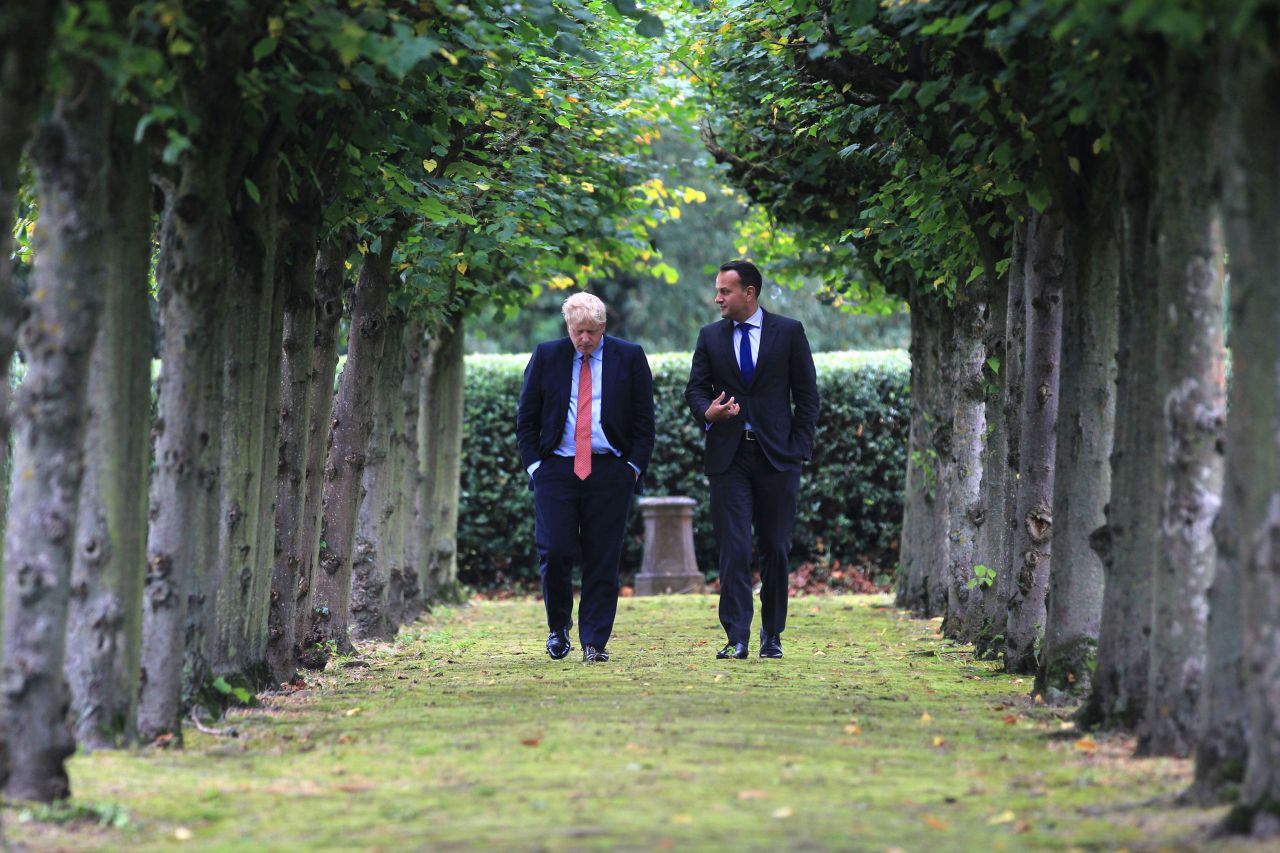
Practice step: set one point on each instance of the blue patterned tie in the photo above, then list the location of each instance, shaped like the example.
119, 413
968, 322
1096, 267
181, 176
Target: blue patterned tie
744, 353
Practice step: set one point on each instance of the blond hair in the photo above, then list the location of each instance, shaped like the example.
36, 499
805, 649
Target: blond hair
583, 306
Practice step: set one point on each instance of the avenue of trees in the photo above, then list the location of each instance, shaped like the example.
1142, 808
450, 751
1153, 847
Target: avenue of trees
1057, 189
288, 180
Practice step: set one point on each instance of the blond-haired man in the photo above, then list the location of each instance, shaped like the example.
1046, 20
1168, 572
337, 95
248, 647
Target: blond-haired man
585, 431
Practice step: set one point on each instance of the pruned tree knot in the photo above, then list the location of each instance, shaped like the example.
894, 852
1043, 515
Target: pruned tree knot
977, 515
1043, 394
1040, 524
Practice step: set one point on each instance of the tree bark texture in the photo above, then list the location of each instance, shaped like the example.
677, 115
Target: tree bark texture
991, 543
410, 581
1126, 544
440, 456
1191, 364
330, 282
189, 272
104, 628
926, 521
375, 553
989, 643
238, 593
1086, 415
1253, 440
966, 359
348, 453
26, 34
291, 551
1032, 541
69, 156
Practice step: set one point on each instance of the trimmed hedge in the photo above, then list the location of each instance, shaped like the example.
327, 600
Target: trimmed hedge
851, 495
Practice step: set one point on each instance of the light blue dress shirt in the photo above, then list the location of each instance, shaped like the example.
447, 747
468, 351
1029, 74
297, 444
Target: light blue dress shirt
599, 444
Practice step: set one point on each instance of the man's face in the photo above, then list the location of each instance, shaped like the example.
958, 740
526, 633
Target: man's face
585, 335
734, 300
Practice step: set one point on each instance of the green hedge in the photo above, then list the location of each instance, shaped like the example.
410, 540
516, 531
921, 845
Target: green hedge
850, 496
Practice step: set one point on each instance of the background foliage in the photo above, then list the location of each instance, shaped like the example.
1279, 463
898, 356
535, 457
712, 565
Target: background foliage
850, 496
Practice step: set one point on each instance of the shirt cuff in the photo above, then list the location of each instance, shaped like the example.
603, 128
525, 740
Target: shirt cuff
634, 468
533, 467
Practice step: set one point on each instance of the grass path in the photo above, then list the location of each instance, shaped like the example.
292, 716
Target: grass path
871, 734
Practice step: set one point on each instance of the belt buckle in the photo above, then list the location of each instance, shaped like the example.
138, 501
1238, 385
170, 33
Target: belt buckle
749, 434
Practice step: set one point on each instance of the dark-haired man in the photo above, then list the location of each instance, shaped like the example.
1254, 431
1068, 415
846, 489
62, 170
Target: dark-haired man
754, 386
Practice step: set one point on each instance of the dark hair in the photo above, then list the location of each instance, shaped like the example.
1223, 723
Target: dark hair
747, 274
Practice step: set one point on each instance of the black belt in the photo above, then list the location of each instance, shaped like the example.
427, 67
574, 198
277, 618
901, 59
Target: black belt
749, 435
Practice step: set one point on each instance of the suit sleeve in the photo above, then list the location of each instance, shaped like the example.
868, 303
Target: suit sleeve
529, 413
697, 393
804, 394
642, 411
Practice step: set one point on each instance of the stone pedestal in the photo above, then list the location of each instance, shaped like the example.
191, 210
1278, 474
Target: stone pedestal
668, 565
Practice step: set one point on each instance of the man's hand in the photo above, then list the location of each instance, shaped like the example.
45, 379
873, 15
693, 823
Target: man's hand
721, 409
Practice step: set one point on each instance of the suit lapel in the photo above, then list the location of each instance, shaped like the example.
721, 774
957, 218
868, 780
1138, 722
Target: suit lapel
732, 353
767, 340
608, 371
563, 368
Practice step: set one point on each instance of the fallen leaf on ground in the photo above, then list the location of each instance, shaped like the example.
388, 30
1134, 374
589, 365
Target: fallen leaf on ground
784, 812
1011, 720
681, 818
1087, 744
938, 740
853, 729
752, 795
354, 711
183, 834
926, 718
532, 741
933, 823
1003, 817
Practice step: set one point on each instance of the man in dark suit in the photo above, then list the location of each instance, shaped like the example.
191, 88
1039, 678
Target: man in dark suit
754, 387
585, 432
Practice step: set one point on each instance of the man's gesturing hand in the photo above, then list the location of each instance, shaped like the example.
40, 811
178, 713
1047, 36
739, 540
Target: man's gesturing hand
721, 409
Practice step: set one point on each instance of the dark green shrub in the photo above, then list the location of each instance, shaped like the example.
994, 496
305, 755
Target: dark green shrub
850, 496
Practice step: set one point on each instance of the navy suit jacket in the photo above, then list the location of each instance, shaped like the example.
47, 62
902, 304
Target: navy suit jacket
626, 402
784, 375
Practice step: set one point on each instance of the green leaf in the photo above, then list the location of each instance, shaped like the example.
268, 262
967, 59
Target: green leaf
650, 26
265, 48
220, 684
564, 121
1038, 195
994, 364
252, 190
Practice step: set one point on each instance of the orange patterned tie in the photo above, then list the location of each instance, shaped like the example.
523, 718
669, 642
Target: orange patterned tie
582, 427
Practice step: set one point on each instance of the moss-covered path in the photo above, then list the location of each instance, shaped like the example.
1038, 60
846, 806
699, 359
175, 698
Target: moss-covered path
871, 734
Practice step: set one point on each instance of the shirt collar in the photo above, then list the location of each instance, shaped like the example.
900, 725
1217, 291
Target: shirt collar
597, 354
754, 320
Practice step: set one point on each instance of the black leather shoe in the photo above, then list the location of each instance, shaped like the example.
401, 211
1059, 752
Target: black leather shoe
770, 645
590, 654
558, 644
737, 651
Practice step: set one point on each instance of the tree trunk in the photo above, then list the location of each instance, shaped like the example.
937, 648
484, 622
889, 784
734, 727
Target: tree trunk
239, 592
1037, 442
348, 453
189, 272
992, 542
291, 551
440, 448
922, 583
966, 357
1191, 362
374, 553
330, 280
104, 628
69, 157
410, 575
1126, 544
26, 34
989, 643
1086, 414
1253, 460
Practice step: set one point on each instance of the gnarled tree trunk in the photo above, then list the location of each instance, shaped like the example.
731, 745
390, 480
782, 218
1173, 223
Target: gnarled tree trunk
298, 262
440, 457
69, 157
104, 626
1191, 364
348, 453
330, 280
1037, 442
1086, 414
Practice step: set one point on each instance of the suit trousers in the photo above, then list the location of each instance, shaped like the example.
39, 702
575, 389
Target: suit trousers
588, 519
753, 493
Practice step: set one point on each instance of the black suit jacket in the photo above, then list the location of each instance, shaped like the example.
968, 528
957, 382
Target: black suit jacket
626, 401
784, 375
